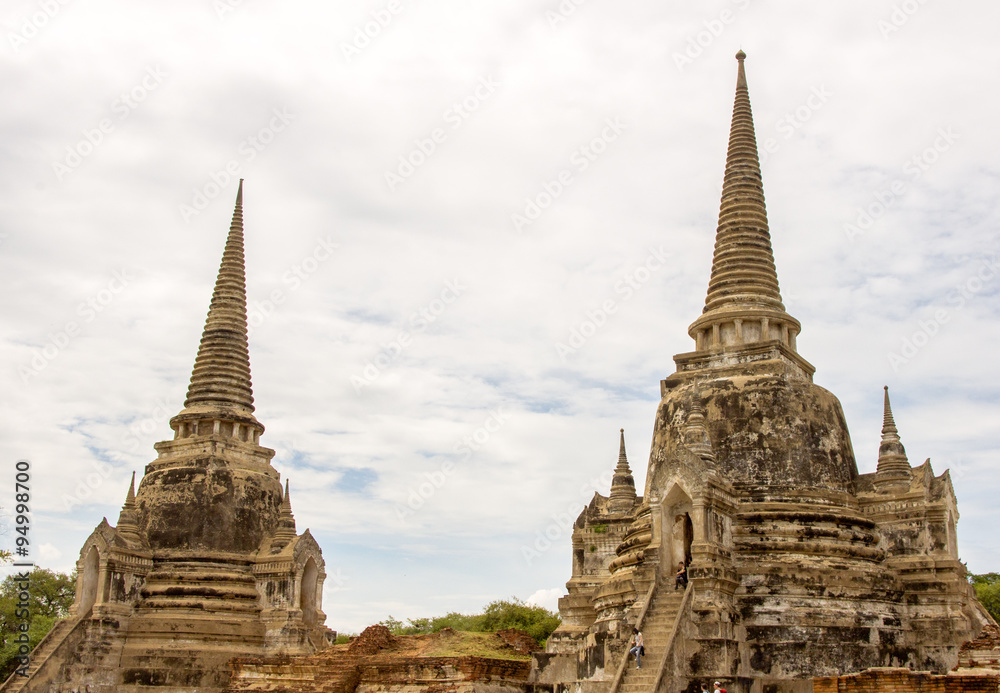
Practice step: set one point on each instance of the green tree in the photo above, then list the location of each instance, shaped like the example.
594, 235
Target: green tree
497, 615
456, 621
50, 595
394, 625
535, 620
987, 588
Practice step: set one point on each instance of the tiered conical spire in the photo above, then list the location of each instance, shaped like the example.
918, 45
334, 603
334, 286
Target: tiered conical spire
127, 525
743, 265
743, 304
622, 466
622, 496
220, 395
286, 524
221, 375
892, 461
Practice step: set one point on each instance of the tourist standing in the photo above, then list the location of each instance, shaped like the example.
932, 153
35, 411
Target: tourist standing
637, 649
681, 577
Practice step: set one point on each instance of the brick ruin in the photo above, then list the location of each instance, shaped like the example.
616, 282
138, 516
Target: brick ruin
799, 566
902, 680
376, 662
205, 563
978, 671
982, 653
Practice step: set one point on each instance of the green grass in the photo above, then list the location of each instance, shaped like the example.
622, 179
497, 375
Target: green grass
472, 645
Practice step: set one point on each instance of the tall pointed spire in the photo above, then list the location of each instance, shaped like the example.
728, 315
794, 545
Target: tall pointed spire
892, 461
221, 374
622, 496
743, 266
743, 304
220, 387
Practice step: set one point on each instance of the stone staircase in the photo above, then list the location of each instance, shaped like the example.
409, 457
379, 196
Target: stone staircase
85, 648
40, 654
656, 627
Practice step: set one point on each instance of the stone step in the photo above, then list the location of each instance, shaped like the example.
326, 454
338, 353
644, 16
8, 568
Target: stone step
145, 623
657, 626
38, 656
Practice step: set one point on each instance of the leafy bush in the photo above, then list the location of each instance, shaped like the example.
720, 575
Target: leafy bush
987, 588
49, 597
536, 621
497, 615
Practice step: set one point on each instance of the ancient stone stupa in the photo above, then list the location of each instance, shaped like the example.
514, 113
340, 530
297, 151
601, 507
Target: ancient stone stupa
798, 566
204, 564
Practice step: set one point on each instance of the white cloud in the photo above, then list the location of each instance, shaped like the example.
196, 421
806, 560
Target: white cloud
48, 554
548, 599
103, 395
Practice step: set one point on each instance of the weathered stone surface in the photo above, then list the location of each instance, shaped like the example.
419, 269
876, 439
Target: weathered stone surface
205, 563
797, 565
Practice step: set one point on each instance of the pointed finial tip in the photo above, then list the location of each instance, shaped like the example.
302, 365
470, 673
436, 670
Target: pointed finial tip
130, 495
741, 55
622, 430
885, 387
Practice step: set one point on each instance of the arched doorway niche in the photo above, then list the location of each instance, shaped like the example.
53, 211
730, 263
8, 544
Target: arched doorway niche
678, 529
308, 597
89, 581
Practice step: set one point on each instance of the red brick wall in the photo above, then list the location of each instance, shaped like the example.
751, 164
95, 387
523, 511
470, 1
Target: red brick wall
897, 680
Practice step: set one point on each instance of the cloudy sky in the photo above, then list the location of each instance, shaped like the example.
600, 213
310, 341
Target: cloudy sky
476, 235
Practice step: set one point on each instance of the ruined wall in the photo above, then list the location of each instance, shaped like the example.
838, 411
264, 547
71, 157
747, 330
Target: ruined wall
440, 674
900, 680
983, 651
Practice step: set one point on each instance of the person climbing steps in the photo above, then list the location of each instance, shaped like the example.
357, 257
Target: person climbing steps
637, 649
